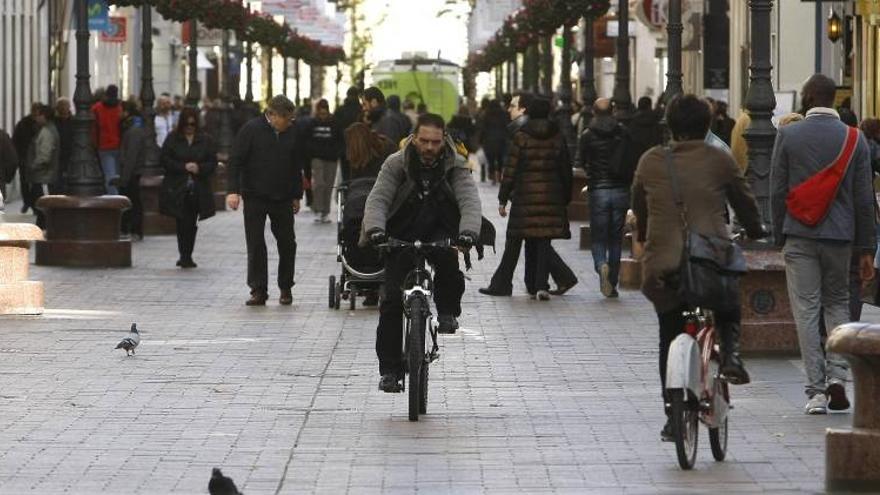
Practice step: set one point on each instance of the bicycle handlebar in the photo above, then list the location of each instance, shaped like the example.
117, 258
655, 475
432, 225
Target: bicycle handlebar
393, 243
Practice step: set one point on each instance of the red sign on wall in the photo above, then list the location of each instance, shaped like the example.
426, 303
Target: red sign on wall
116, 31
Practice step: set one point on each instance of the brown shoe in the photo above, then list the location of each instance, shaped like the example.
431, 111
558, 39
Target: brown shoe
286, 298
257, 299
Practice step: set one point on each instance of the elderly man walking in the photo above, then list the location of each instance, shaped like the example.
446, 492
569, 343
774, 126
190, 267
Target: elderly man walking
265, 172
818, 241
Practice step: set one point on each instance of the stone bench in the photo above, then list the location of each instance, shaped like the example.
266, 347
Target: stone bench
852, 456
18, 295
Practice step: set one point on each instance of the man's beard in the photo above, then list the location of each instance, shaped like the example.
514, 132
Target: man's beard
429, 160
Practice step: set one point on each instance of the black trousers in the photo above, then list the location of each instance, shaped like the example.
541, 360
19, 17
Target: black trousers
133, 218
727, 325
187, 226
35, 192
280, 214
537, 264
448, 289
27, 198
502, 280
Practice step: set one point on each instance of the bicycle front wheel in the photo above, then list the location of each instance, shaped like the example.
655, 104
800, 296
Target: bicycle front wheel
415, 356
685, 420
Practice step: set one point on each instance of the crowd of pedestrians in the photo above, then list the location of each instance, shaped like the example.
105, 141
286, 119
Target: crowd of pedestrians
423, 168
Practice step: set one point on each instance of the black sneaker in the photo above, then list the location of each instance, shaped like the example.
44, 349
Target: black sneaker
489, 291
187, 263
837, 400
390, 384
733, 371
666, 434
446, 324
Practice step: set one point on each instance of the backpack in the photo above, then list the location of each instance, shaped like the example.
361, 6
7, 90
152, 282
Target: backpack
623, 162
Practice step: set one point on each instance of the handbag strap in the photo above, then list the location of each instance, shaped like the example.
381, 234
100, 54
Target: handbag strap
676, 188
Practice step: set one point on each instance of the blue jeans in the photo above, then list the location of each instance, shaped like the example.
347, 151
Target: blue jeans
110, 167
607, 216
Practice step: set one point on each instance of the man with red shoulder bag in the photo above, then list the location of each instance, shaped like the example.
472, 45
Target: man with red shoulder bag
822, 205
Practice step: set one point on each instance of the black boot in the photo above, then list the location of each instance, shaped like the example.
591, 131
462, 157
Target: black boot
732, 368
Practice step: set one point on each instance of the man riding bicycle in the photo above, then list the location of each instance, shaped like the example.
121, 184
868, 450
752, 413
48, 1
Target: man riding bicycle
424, 192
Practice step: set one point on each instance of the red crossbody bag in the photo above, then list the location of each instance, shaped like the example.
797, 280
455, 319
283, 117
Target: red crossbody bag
811, 200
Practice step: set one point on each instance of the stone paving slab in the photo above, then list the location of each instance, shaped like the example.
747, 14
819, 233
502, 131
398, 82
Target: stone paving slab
529, 397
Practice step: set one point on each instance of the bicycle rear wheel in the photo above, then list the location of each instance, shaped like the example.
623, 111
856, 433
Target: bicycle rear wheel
685, 420
416, 356
423, 395
718, 436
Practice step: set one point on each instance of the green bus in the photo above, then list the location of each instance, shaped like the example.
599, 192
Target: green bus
434, 82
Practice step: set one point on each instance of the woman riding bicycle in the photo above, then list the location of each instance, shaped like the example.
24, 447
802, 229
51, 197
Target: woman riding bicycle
709, 178
424, 192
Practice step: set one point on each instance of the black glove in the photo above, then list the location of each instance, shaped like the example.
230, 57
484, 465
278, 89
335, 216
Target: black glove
466, 240
377, 237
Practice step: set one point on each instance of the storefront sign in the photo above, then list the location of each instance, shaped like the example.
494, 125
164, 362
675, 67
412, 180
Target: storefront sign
98, 15
116, 31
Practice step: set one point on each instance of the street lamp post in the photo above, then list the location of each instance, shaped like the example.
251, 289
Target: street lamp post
193, 93
514, 78
269, 76
148, 96
84, 176
588, 76
531, 68
296, 79
284, 75
83, 229
154, 222
760, 102
674, 29
621, 97
224, 140
547, 64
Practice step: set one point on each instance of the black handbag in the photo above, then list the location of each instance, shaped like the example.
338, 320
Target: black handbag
711, 266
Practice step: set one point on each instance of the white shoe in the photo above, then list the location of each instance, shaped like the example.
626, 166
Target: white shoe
542, 295
818, 404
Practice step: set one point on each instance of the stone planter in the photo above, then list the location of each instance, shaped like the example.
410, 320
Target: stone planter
18, 295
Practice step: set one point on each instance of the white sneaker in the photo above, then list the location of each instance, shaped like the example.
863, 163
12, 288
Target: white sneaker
542, 295
818, 404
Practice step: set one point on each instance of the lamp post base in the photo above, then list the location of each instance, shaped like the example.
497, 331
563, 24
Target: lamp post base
767, 323
154, 222
83, 232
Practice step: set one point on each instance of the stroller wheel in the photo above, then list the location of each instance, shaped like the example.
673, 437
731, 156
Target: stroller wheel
332, 299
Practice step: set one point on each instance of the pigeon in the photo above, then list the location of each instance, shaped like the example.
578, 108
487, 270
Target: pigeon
222, 485
129, 343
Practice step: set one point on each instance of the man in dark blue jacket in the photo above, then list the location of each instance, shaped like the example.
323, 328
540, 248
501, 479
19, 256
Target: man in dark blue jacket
265, 172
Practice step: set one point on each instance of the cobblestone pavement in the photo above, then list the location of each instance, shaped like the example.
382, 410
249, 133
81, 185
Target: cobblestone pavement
529, 397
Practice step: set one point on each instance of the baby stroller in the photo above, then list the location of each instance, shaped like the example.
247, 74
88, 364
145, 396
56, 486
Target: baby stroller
362, 269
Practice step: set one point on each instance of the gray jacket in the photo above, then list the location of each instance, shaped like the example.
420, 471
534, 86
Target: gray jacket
43, 155
392, 188
804, 148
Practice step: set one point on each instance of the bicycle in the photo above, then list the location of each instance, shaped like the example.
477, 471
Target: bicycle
695, 389
418, 353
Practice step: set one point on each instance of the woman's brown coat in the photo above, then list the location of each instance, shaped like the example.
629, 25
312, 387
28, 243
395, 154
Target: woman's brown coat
708, 178
540, 187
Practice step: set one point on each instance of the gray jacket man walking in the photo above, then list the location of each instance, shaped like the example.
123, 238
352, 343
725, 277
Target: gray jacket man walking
817, 258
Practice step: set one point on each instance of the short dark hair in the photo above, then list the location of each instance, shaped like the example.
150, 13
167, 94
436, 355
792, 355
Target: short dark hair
45, 111
818, 91
430, 120
130, 108
281, 105
394, 102
353, 92
374, 93
645, 103
689, 117
525, 98
322, 103
539, 108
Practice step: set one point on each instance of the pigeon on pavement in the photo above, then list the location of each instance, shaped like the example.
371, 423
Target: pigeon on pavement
129, 343
222, 485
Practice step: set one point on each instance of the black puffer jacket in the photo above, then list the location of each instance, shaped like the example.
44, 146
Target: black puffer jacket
598, 144
645, 131
539, 186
